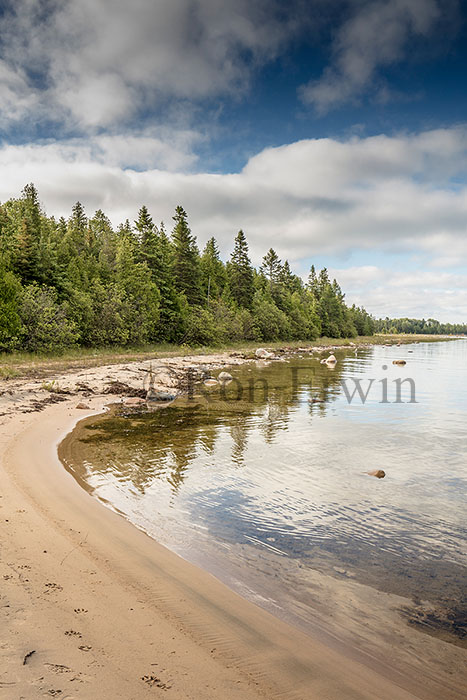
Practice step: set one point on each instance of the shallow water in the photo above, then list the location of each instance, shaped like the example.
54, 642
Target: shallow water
264, 483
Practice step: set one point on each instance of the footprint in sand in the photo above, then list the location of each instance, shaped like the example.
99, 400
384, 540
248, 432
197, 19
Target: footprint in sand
85, 647
53, 587
80, 611
153, 681
58, 668
72, 633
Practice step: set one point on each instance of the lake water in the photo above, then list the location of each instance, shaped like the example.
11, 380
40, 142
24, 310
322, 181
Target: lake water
265, 484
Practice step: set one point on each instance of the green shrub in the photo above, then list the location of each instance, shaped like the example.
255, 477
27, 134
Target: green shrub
45, 325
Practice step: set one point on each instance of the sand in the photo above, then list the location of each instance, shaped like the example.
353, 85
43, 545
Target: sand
91, 607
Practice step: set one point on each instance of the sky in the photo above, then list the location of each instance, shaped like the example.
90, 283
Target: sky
334, 131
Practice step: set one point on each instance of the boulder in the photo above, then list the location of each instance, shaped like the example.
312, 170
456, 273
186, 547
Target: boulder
263, 354
379, 473
224, 377
331, 360
83, 406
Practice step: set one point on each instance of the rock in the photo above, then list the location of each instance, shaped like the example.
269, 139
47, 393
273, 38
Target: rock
153, 395
263, 354
134, 401
379, 473
399, 362
210, 382
83, 406
331, 360
224, 377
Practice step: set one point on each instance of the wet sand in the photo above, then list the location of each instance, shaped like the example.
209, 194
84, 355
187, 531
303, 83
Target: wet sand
109, 613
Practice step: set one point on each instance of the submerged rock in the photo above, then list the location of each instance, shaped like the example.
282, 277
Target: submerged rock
134, 401
399, 362
210, 382
153, 395
379, 473
224, 377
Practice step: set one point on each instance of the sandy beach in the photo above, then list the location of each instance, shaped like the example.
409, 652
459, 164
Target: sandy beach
91, 607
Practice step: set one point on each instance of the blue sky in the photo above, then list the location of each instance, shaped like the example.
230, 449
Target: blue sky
333, 130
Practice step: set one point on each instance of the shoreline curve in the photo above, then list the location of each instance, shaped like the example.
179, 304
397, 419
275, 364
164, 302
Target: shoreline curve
146, 617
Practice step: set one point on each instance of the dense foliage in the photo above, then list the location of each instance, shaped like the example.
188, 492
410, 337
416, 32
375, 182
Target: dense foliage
429, 326
80, 282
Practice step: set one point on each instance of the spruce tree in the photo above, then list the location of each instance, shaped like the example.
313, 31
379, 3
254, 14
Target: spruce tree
186, 263
147, 238
271, 267
240, 273
164, 278
213, 275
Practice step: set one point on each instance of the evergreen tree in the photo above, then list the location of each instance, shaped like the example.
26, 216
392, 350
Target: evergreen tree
186, 262
164, 278
240, 273
147, 236
271, 268
213, 276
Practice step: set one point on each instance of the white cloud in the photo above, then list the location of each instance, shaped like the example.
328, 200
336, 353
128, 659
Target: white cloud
415, 294
377, 34
320, 197
102, 62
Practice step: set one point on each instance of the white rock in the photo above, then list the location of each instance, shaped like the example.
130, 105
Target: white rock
263, 354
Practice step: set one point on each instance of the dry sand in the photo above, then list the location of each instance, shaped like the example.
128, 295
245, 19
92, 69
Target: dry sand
111, 614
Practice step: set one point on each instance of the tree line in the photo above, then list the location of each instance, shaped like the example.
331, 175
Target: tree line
77, 281
429, 326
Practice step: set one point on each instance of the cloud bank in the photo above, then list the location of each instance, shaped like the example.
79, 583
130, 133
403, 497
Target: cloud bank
401, 195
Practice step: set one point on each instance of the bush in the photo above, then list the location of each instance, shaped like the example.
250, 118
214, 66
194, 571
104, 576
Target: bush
201, 328
271, 321
45, 324
10, 322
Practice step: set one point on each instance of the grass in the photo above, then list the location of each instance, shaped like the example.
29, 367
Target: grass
23, 364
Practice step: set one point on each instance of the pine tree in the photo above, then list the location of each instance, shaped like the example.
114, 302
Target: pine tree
28, 235
26, 252
313, 282
147, 236
290, 282
271, 267
240, 273
213, 276
164, 278
186, 265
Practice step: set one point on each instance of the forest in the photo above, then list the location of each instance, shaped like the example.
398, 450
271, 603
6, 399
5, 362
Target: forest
80, 282
429, 326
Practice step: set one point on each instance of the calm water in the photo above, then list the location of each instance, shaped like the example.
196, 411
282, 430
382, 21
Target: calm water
264, 486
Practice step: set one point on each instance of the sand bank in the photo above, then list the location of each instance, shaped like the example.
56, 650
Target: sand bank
109, 613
